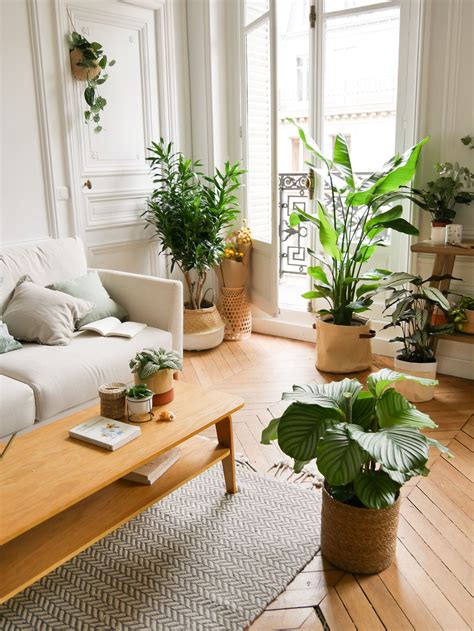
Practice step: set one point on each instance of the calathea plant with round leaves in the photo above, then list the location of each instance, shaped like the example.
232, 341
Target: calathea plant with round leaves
89, 62
366, 443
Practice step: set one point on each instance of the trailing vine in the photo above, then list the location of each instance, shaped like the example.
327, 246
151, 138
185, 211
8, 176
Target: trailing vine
95, 62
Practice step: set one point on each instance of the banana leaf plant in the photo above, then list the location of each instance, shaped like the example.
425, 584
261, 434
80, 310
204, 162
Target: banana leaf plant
413, 301
351, 227
366, 443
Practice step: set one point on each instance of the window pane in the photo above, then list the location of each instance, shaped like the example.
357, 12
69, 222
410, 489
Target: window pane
339, 5
253, 9
259, 137
360, 87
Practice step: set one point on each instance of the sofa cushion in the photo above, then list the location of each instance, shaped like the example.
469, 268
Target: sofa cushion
46, 262
63, 377
17, 406
38, 314
89, 287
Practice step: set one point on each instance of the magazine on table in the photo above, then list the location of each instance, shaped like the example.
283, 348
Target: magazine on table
105, 432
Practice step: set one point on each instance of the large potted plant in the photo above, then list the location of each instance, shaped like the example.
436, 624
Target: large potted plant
367, 444
412, 301
155, 368
442, 194
188, 212
350, 230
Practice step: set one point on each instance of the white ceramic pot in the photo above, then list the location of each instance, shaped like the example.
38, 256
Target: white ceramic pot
416, 392
454, 234
138, 407
438, 235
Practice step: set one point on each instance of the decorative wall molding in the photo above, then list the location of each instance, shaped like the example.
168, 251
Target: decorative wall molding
43, 123
99, 215
126, 246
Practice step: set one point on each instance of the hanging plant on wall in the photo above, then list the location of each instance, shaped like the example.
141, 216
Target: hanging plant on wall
89, 63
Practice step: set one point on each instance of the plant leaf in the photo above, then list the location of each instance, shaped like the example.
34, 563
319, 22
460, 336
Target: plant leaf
334, 390
436, 296
301, 427
363, 410
376, 489
393, 409
339, 457
342, 160
270, 432
378, 382
318, 273
399, 447
328, 235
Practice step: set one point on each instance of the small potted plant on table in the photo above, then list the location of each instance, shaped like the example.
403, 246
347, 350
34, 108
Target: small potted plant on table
188, 212
413, 301
367, 444
350, 231
139, 402
155, 368
461, 315
441, 196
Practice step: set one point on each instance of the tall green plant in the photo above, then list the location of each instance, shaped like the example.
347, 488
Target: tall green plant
367, 443
189, 211
350, 229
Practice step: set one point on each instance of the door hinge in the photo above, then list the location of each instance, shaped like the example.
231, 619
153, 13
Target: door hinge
312, 16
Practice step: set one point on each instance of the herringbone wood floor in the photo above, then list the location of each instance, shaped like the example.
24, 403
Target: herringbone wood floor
430, 585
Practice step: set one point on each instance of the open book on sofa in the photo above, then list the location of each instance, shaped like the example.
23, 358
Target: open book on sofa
109, 327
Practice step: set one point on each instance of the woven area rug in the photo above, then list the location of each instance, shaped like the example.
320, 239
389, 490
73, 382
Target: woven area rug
199, 560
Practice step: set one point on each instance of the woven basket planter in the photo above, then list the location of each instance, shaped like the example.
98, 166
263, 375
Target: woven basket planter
235, 311
358, 540
203, 328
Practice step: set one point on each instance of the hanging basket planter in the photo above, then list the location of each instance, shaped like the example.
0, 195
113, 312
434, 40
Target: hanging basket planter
79, 72
342, 349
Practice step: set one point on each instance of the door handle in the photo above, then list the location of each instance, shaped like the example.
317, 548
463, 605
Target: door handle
88, 184
309, 185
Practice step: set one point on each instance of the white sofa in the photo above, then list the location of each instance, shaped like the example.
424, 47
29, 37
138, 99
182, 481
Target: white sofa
42, 383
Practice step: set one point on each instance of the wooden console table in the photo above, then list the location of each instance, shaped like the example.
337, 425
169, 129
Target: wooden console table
445, 257
59, 495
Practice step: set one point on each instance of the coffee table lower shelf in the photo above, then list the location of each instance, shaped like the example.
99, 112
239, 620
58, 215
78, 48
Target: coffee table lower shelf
37, 552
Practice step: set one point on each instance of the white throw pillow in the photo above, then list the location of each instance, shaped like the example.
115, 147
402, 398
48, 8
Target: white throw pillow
38, 314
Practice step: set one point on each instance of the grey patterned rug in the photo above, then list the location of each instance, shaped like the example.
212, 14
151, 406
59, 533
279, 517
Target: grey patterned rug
199, 560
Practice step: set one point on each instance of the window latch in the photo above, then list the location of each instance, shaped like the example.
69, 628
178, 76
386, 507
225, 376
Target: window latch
312, 16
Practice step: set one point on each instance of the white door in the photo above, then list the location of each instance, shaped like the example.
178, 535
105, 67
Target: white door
109, 173
258, 46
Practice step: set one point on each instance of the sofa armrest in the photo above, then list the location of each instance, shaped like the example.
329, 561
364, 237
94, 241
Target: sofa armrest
157, 302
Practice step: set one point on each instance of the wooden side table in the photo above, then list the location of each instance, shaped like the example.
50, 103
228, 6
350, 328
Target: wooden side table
445, 257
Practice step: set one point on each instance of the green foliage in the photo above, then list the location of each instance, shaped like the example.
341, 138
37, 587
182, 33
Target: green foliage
457, 313
453, 186
93, 58
367, 443
189, 212
350, 230
149, 361
413, 301
139, 392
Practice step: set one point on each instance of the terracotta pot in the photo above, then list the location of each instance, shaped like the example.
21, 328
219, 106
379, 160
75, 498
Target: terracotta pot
78, 72
469, 325
438, 317
234, 274
415, 392
358, 540
161, 384
342, 349
203, 328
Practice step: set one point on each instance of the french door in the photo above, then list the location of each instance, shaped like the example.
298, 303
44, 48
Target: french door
333, 66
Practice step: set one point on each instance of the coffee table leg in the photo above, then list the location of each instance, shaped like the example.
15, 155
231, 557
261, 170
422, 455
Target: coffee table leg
225, 437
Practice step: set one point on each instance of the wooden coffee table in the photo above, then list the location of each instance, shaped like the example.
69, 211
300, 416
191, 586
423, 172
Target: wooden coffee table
59, 495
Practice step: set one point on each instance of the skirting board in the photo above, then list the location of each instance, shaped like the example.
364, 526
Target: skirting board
454, 358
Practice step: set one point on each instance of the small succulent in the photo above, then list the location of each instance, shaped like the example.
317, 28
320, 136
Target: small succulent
139, 392
149, 361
